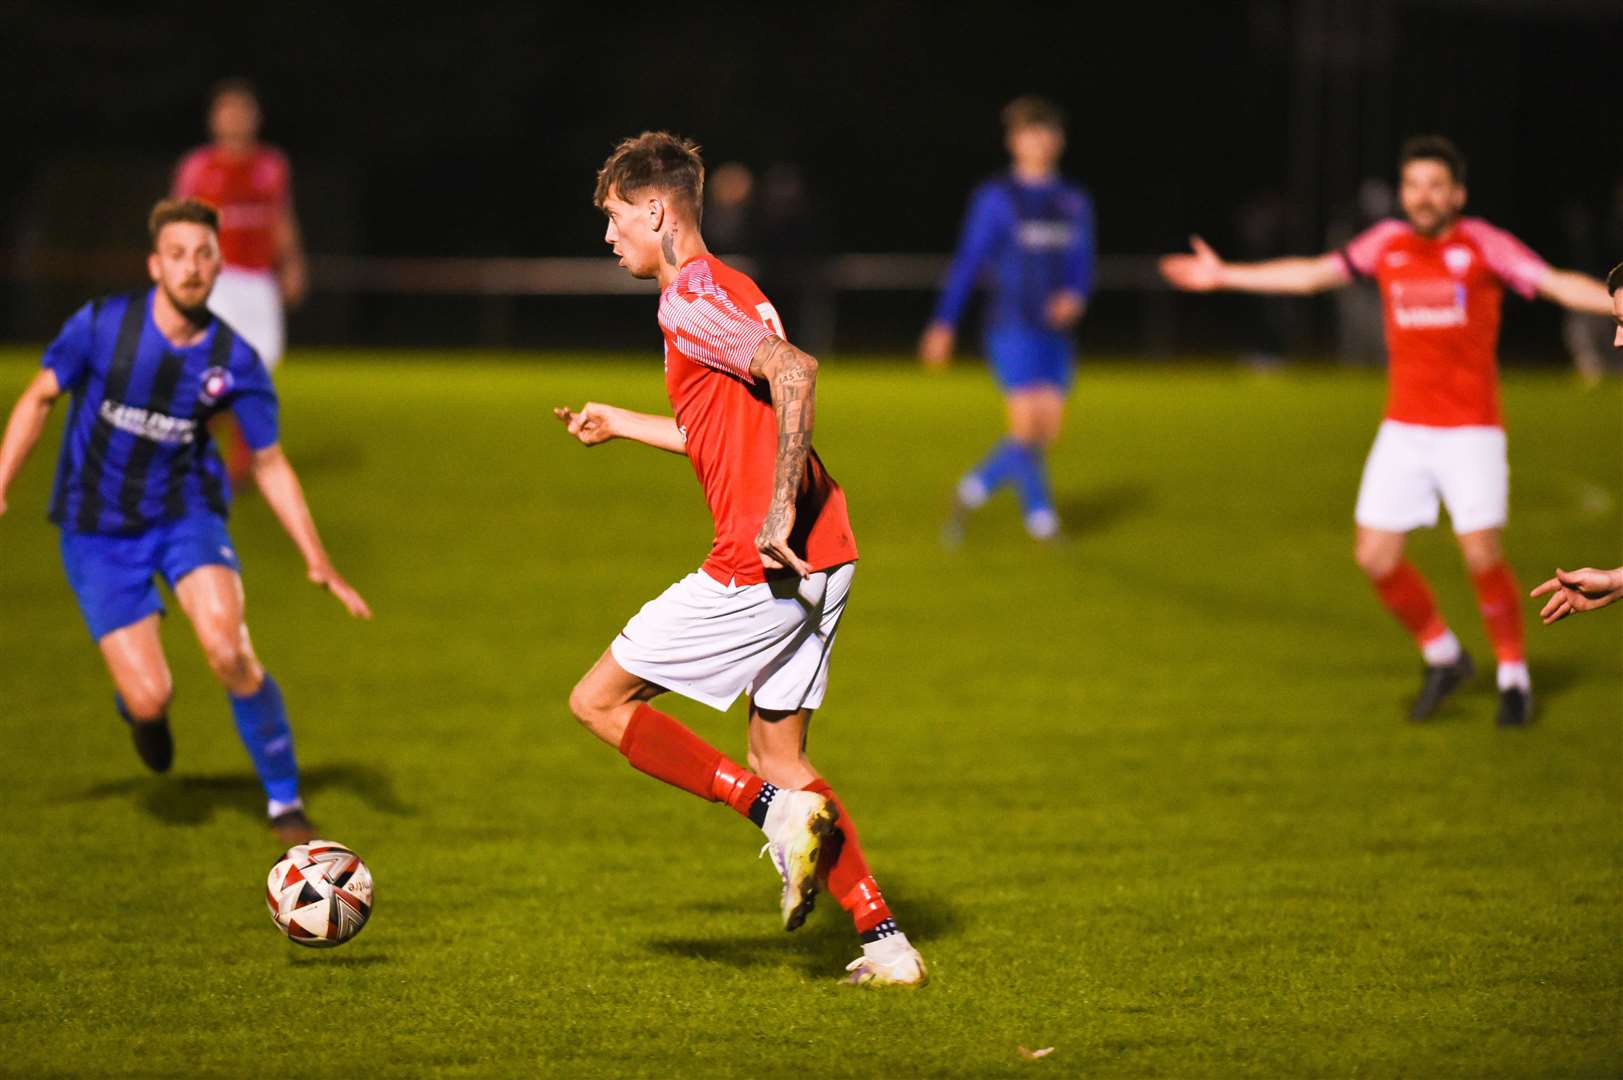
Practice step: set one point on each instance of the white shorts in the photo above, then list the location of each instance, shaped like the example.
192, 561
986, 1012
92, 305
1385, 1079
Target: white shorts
251, 301
1412, 467
711, 642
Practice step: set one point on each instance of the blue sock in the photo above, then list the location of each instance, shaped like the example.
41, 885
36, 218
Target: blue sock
262, 723
1031, 478
998, 467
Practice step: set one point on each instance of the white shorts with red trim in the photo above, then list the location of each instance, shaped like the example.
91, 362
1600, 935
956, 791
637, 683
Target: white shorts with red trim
1412, 468
711, 642
251, 302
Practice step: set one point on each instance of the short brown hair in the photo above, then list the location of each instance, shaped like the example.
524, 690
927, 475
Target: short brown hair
1434, 148
235, 86
169, 211
1029, 110
657, 160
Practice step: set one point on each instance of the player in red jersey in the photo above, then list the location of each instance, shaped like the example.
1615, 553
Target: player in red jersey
251, 185
1442, 277
761, 614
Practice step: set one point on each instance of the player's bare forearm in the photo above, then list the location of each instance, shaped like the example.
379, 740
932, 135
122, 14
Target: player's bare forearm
792, 377
1576, 292
283, 493
24, 427
595, 423
1300, 276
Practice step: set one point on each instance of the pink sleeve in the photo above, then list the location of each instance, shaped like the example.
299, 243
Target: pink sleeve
186, 175
1363, 250
1512, 261
712, 329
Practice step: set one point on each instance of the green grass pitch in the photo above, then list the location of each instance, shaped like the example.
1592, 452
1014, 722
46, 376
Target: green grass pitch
1146, 797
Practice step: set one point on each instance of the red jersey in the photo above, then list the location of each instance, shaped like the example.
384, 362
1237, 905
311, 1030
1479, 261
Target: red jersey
252, 193
714, 319
1441, 296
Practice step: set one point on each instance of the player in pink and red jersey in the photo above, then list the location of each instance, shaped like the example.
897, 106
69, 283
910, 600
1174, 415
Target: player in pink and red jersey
1442, 278
251, 185
760, 616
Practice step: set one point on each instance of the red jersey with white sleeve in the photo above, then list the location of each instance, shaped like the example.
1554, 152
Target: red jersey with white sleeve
714, 319
1441, 297
252, 191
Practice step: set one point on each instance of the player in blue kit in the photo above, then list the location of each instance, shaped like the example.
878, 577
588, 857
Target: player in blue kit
1030, 235
140, 493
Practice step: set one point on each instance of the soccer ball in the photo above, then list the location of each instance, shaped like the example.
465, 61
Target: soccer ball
319, 894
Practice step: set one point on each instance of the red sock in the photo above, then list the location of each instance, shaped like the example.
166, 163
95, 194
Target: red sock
1406, 595
1500, 599
665, 749
849, 881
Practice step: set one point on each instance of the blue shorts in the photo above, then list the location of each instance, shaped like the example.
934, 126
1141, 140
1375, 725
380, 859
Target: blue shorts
113, 575
1024, 357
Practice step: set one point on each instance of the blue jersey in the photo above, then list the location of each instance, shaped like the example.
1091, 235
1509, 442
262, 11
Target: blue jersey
136, 450
1026, 242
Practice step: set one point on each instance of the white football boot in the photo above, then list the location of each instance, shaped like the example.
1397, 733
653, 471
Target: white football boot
890, 961
798, 824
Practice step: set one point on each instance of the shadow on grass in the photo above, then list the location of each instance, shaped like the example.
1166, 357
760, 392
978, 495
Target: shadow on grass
1101, 509
194, 800
311, 958
822, 948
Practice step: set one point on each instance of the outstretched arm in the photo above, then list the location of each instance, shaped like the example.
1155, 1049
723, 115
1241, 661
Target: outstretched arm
983, 225
1579, 590
1204, 270
285, 496
595, 424
792, 377
1575, 291
25, 426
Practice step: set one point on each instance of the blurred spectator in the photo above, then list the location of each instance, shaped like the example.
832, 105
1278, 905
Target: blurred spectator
1592, 242
1262, 227
791, 252
729, 209
1360, 333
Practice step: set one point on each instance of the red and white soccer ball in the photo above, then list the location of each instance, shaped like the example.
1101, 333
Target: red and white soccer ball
319, 894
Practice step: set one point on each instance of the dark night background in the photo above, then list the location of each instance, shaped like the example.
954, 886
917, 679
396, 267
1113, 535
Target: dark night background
475, 131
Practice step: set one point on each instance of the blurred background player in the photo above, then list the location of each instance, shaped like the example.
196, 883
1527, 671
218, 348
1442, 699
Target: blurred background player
1587, 589
140, 493
251, 184
1442, 279
761, 614
1031, 234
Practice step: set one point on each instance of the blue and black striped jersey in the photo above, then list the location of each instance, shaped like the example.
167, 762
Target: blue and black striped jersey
1026, 242
136, 450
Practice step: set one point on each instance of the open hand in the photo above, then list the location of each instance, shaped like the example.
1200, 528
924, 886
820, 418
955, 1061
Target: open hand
773, 541
331, 580
1201, 271
1578, 590
935, 347
592, 425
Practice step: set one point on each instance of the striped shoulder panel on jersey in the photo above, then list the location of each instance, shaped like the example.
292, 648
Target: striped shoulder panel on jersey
101, 435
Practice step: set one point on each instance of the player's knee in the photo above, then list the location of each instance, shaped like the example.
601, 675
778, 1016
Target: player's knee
1481, 553
230, 659
1377, 561
584, 706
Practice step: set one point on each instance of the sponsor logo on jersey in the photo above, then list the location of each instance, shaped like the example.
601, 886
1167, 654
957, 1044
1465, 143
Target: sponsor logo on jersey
1428, 304
1457, 259
152, 426
1044, 235
216, 385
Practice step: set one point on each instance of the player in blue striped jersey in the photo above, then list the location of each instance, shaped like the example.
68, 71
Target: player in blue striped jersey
1029, 236
140, 493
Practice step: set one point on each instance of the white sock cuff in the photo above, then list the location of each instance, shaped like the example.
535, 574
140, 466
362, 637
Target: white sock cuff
1442, 649
1513, 675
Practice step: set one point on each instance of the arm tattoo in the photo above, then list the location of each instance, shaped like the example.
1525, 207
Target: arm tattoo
667, 245
792, 376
